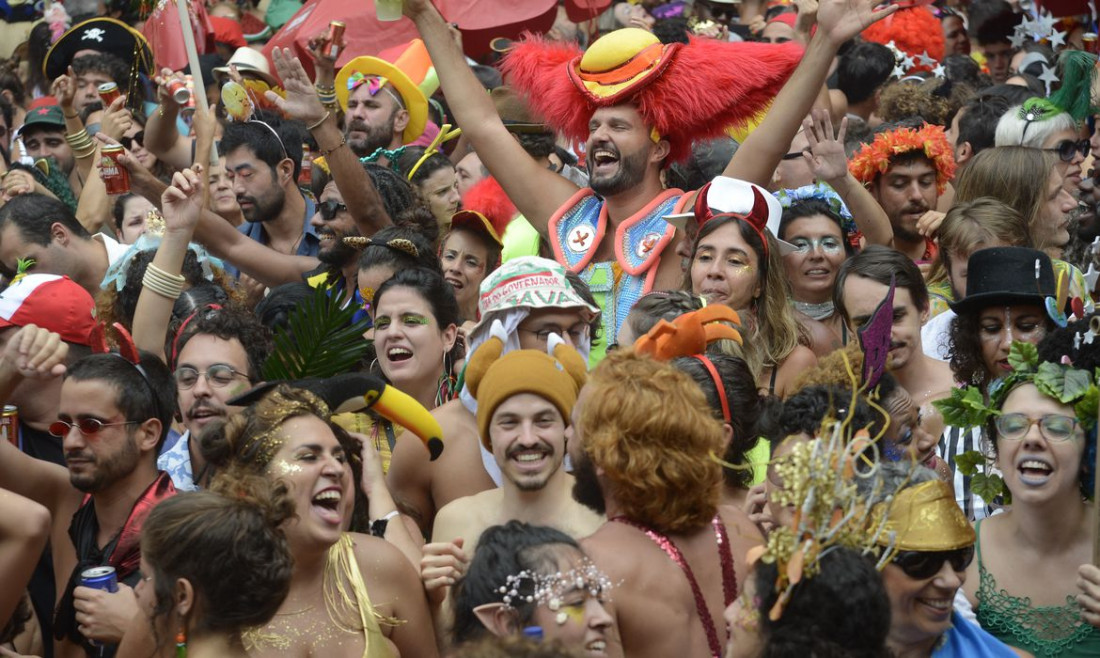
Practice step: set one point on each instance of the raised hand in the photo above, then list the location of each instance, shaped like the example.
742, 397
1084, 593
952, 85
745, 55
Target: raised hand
163, 81
182, 201
825, 157
116, 120
301, 101
840, 20
441, 567
35, 353
63, 89
323, 65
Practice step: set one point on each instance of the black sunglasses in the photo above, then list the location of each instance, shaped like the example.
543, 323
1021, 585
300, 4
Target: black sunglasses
328, 209
128, 142
1067, 149
920, 565
794, 155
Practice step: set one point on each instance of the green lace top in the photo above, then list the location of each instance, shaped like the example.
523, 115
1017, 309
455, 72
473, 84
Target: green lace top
1045, 631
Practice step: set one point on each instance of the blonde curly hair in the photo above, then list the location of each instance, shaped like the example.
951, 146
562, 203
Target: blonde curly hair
649, 428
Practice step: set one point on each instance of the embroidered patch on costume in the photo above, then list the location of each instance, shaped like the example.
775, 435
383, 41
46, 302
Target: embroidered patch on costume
580, 239
647, 244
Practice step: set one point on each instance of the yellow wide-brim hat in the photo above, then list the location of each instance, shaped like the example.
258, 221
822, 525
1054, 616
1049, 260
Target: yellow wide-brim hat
619, 63
411, 74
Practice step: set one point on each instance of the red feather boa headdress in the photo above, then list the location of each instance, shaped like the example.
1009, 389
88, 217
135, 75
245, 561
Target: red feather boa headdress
685, 92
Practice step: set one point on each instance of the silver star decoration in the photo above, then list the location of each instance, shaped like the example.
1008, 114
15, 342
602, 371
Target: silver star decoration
1018, 38
1027, 26
925, 60
1057, 39
1048, 77
898, 72
908, 62
1045, 22
1089, 335
939, 72
1091, 276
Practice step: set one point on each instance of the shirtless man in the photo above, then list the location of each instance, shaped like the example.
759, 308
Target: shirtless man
629, 143
532, 298
639, 440
525, 399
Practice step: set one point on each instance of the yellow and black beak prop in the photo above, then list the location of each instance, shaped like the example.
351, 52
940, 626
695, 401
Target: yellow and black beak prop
355, 392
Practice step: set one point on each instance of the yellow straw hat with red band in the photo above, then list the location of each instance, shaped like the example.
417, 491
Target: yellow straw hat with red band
620, 64
411, 75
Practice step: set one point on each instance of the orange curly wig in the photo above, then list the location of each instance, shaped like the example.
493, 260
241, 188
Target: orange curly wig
874, 159
648, 426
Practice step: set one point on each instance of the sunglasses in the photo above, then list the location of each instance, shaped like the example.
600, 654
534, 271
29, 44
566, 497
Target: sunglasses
921, 565
128, 142
1068, 149
328, 209
1053, 427
794, 155
87, 426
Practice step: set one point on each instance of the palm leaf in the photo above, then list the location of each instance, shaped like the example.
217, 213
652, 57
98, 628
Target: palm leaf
319, 340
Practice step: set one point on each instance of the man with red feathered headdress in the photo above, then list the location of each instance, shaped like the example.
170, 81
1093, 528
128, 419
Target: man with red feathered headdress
639, 105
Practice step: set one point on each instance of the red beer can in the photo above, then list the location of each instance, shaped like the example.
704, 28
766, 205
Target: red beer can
305, 176
1089, 40
179, 92
9, 424
115, 177
108, 92
334, 45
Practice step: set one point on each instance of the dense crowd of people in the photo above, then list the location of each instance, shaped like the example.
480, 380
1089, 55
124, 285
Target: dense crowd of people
694, 328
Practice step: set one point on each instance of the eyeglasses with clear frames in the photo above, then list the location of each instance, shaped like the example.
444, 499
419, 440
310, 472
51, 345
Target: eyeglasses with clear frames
1053, 427
218, 375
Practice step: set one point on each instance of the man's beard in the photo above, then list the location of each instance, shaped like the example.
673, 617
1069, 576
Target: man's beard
630, 173
109, 470
264, 209
586, 487
337, 254
378, 136
902, 232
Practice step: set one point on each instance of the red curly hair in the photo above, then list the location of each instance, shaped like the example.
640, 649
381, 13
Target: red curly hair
649, 428
914, 30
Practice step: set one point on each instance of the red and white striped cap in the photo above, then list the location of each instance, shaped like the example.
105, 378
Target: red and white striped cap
56, 303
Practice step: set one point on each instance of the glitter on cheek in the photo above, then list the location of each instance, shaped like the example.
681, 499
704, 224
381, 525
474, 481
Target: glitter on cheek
284, 468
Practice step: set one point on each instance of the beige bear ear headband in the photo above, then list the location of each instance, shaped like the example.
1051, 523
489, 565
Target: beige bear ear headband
397, 244
571, 361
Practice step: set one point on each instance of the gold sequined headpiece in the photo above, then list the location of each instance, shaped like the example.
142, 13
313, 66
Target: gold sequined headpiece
277, 407
924, 517
398, 244
820, 477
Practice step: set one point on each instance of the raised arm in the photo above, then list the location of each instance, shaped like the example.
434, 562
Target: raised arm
829, 164
162, 137
536, 191
33, 353
63, 90
302, 103
182, 202
258, 261
838, 21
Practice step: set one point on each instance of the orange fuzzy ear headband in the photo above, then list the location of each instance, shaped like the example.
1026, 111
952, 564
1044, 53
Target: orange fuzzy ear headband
689, 334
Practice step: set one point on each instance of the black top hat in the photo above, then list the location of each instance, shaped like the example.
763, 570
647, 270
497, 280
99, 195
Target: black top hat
105, 35
1010, 276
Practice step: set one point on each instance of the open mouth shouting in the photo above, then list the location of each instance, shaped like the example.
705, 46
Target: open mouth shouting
1034, 471
596, 648
604, 159
326, 505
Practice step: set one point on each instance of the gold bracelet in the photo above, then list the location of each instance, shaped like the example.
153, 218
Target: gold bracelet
319, 121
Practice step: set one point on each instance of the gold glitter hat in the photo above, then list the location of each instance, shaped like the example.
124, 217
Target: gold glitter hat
924, 517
